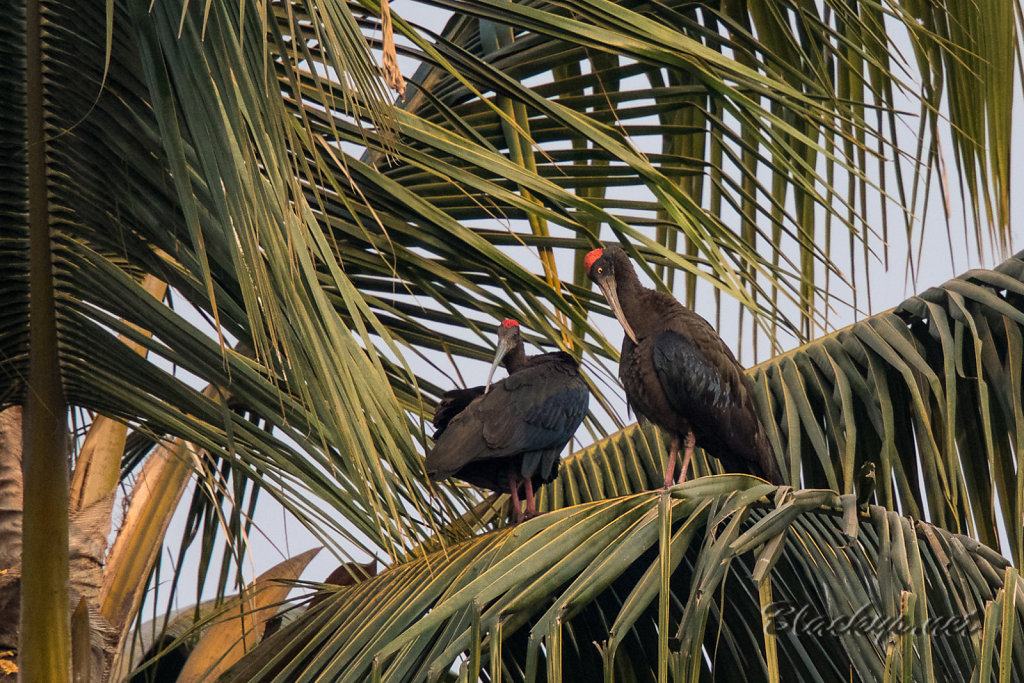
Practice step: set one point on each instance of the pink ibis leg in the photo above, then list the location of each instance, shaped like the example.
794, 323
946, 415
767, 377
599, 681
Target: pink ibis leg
531, 505
673, 449
513, 487
691, 441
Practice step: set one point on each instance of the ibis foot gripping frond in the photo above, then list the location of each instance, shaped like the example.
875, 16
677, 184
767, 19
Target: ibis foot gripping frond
513, 487
691, 441
531, 504
673, 451
671, 465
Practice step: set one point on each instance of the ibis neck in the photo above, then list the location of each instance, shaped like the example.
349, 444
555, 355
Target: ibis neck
514, 359
631, 295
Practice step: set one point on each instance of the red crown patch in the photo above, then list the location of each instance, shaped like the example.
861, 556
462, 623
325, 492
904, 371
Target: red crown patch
509, 322
589, 259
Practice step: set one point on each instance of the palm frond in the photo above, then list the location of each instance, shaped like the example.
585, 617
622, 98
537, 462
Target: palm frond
795, 138
699, 573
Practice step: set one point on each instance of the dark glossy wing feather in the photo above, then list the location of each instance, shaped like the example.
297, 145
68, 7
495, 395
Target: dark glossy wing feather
637, 376
545, 403
528, 415
451, 404
692, 383
703, 381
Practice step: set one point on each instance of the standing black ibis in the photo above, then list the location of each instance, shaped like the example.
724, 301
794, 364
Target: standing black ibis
680, 375
510, 433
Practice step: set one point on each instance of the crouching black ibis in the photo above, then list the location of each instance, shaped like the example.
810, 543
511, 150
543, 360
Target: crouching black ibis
510, 433
680, 375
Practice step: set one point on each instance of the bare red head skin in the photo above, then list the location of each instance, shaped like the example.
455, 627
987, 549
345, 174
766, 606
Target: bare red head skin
592, 256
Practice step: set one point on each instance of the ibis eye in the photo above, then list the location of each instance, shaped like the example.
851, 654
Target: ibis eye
600, 270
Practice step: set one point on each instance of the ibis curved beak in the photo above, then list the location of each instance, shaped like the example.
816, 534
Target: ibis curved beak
612, 296
499, 355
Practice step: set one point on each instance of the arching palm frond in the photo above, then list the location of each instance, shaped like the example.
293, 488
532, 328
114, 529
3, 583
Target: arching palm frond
690, 579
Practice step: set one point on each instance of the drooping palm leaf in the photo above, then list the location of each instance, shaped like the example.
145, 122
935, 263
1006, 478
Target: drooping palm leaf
122, 191
586, 582
810, 98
